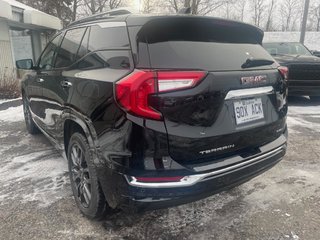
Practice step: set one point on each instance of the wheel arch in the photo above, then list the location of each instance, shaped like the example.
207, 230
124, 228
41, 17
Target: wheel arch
74, 123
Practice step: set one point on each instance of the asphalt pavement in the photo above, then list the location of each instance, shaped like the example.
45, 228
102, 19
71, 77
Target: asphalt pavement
283, 203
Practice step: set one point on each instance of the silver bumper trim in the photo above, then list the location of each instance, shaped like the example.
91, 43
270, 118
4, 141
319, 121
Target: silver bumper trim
193, 179
249, 92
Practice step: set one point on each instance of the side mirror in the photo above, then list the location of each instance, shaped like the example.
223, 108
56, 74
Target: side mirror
24, 64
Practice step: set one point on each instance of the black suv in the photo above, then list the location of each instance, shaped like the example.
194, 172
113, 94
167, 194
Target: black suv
156, 111
304, 68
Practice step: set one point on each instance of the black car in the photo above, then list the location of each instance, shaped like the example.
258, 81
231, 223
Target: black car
315, 53
304, 68
156, 111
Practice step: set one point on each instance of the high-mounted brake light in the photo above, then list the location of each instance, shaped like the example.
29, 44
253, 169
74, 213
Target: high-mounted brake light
133, 91
284, 71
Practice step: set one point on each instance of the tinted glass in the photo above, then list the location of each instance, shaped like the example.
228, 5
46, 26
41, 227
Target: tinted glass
208, 56
202, 44
107, 37
69, 47
286, 48
83, 49
47, 57
105, 59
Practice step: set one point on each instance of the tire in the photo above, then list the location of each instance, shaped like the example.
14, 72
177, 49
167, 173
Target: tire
31, 126
315, 98
83, 177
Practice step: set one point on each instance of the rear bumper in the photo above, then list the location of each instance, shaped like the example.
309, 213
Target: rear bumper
132, 195
142, 198
304, 87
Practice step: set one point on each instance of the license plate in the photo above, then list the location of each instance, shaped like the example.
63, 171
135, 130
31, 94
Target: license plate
248, 110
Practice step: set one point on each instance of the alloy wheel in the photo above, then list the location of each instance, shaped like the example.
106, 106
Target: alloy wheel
80, 175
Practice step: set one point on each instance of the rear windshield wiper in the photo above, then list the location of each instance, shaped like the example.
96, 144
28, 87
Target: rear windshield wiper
256, 63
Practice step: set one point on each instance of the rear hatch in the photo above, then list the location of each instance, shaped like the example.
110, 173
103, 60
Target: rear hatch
235, 108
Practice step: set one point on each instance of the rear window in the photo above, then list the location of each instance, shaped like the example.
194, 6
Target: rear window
202, 44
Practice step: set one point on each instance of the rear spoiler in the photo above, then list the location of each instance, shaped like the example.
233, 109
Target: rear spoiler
160, 28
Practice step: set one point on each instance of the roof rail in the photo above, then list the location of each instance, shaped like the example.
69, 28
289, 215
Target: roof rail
113, 12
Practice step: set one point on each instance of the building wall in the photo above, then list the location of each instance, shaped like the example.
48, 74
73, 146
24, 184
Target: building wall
6, 57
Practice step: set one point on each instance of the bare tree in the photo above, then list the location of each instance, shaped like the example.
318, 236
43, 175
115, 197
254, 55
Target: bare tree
204, 7
240, 7
270, 14
148, 6
315, 15
75, 4
198, 7
228, 9
95, 6
115, 4
59, 8
258, 9
174, 4
290, 14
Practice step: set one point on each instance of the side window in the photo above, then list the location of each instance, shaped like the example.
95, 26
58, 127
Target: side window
107, 37
106, 59
83, 49
69, 47
47, 57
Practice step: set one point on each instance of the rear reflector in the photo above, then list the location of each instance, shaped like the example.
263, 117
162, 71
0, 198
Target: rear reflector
133, 91
158, 179
284, 71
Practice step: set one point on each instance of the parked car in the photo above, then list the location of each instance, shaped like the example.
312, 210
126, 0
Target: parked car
304, 68
156, 111
315, 53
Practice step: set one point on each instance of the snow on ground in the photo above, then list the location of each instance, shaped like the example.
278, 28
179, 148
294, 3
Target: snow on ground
12, 114
311, 39
29, 164
307, 117
39, 176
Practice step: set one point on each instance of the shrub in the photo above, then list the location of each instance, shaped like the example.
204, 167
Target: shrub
9, 86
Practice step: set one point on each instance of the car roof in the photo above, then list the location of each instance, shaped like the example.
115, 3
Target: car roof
140, 19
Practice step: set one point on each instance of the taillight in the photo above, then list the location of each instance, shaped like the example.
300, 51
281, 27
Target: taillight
133, 91
284, 71
171, 81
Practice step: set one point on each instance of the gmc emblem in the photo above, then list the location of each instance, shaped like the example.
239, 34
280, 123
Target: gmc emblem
254, 79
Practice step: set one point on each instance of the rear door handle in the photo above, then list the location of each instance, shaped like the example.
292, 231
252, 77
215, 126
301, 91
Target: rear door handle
66, 84
40, 80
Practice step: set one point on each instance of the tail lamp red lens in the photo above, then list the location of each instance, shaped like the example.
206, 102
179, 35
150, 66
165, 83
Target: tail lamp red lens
284, 71
133, 91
